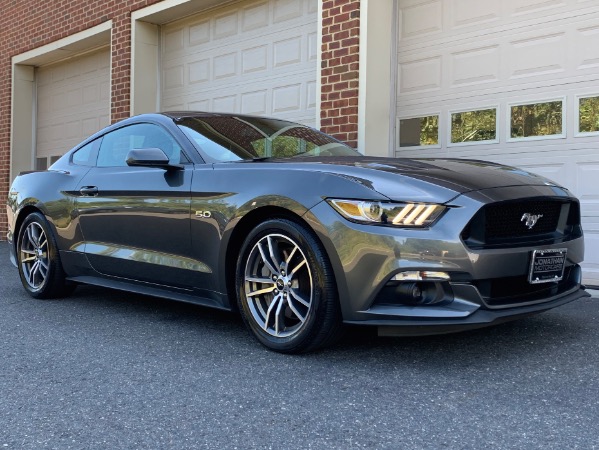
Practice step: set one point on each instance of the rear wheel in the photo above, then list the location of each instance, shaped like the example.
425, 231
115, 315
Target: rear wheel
39, 261
286, 288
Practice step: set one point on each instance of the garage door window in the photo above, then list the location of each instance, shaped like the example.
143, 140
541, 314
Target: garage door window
41, 163
419, 131
588, 114
535, 120
474, 126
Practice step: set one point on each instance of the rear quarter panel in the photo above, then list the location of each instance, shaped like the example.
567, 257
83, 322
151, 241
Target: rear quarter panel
51, 193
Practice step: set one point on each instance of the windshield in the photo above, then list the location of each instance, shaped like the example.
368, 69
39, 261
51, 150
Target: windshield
230, 138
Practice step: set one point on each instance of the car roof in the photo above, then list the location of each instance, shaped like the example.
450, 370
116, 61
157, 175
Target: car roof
191, 114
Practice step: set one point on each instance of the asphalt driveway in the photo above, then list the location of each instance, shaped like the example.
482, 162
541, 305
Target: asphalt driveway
105, 369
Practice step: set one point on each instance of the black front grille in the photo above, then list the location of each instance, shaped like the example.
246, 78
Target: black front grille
510, 224
509, 220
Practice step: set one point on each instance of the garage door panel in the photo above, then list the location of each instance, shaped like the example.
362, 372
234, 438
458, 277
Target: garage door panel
476, 55
591, 265
587, 174
251, 57
421, 75
503, 60
474, 66
284, 10
587, 37
224, 66
254, 102
227, 103
225, 25
441, 21
254, 59
474, 12
420, 18
72, 102
536, 55
255, 16
556, 172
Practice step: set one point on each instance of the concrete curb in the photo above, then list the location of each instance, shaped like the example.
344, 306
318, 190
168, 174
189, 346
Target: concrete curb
594, 293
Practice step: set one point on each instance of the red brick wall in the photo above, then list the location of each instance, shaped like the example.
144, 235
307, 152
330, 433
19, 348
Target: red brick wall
28, 24
340, 69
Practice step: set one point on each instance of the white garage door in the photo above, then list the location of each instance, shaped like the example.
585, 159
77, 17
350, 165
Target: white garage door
73, 101
514, 81
250, 57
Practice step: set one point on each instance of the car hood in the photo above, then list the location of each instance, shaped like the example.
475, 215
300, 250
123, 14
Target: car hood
419, 179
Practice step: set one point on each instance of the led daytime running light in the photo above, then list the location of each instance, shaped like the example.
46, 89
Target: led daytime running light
387, 213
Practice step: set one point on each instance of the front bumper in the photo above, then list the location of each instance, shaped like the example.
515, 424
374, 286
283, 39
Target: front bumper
478, 319
486, 286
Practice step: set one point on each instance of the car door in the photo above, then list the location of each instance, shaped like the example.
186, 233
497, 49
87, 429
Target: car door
136, 220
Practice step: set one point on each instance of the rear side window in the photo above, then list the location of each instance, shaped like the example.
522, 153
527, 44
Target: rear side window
86, 155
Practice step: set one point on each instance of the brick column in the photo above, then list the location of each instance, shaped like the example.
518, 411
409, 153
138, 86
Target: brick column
5, 97
121, 67
340, 69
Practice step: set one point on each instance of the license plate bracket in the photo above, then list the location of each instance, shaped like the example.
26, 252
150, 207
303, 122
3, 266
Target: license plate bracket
547, 265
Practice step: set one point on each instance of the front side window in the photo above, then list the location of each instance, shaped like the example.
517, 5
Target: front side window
117, 144
536, 119
474, 126
419, 131
588, 114
230, 138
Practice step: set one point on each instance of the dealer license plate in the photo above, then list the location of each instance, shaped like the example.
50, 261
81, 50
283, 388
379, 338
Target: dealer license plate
547, 265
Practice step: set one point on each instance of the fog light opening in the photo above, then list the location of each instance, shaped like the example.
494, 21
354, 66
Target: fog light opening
421, 293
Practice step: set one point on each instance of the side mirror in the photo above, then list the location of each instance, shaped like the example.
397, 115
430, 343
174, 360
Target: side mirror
150, 157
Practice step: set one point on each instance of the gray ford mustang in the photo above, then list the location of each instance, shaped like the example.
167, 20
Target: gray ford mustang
294, 229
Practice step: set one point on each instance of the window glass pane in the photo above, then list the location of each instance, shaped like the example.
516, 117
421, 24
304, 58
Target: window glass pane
117, 144
471, 126
41, 163
212, 148
234, 138
588, 114
537, 119
83, 156
419, 131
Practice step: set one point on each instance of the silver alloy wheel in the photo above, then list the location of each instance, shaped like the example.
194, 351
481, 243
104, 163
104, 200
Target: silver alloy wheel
34, 257
278, 285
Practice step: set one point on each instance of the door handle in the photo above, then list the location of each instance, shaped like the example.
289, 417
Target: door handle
89, 191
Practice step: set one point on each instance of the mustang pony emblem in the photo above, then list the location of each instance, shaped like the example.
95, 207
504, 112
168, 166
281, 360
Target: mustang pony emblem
531, 219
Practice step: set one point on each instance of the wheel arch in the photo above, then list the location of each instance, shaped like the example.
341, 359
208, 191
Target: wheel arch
243, 228
23, 213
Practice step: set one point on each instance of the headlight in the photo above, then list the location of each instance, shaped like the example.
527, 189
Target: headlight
389, 213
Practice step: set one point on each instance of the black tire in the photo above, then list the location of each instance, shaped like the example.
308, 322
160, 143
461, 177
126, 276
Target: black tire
294, 307
38, 260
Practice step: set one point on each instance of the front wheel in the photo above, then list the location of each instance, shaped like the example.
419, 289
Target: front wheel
286, 288
38, 259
